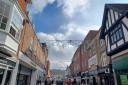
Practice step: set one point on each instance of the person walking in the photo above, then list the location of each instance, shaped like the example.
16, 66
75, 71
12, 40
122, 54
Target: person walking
69, 82
45, 82
74, 82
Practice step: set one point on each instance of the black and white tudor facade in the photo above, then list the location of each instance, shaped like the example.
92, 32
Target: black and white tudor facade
114, 31
114, 28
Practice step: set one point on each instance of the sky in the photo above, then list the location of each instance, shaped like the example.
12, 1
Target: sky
66, 20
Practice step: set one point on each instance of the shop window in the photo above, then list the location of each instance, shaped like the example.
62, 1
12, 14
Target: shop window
12, 31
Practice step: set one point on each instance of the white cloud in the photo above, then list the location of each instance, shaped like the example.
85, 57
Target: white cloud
69, 7
39, 5
59, 56
72, 7
83, 16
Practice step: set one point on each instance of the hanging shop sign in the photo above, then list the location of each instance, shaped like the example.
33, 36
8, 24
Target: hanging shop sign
103, 70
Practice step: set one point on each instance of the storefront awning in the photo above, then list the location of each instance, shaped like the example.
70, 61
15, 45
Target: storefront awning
120, 64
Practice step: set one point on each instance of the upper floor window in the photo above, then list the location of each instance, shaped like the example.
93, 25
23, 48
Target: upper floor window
116, 34
12, 31
16, 24
4, 13
17, 19
102, 43
93, 48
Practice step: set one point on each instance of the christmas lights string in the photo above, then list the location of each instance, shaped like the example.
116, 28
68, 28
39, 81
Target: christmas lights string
62, 43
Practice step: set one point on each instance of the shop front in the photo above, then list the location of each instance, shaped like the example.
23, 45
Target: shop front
105, 75
40, 77
93, 77
6, 68
24, 75
85, 78
120, 67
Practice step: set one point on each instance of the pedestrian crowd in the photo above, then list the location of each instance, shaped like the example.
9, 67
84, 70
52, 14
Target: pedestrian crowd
60, 82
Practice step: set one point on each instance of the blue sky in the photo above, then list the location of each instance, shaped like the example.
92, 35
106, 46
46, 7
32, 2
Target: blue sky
65, 20
49, 19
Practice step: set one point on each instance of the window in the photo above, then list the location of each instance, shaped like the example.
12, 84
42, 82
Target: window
17, 20
4, 13
16, 23
12, 31
102, 43
116, 34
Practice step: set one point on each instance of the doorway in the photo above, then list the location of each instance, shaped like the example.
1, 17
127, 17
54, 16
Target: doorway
7, 81
1, 75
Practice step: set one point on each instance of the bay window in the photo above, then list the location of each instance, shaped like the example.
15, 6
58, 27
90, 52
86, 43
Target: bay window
16, 24
4, 13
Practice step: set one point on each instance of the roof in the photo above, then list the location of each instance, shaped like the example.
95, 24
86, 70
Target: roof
91, 34
118, 7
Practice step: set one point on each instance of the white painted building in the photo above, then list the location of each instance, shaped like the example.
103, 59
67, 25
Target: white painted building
14, 63
10, 28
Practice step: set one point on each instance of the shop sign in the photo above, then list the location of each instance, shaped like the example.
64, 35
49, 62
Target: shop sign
6, 61
93, 73
124, 79
3, 61
33, 64
104, 70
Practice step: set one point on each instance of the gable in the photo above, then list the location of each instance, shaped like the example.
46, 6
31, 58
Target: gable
111, 17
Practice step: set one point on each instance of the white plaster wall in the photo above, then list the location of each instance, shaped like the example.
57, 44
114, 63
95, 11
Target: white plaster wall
112, 16
120, 42
116, 15
125, 20
109, 19
113, 46
107, 43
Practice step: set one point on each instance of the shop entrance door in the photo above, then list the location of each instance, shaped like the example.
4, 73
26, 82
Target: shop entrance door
7, 81
1, 75
5, 76
23, 79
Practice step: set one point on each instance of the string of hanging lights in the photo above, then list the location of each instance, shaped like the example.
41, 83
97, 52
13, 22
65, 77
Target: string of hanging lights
62, 43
